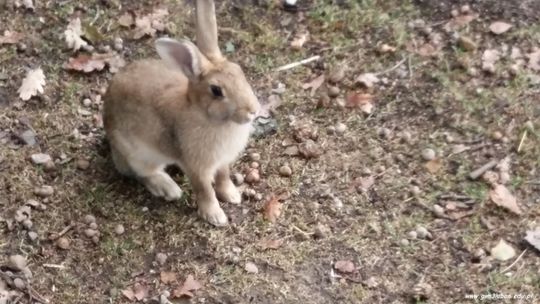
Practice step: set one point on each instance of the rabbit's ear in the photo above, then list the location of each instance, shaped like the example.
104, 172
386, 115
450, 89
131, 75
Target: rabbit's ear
207, 33
182, 54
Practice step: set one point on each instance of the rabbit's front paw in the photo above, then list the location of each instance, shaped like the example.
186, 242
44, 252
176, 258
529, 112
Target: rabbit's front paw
162, 185
213, 214
229, 193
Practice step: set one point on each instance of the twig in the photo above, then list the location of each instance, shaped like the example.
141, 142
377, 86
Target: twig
456, 197
409, 65
298, 63
54, 266
478, 172
514, 263
61, 233
392, 68
522, 141
34, 295
301, 231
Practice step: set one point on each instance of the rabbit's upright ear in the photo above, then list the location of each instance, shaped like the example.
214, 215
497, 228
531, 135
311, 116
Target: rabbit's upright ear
182, 54
206, 30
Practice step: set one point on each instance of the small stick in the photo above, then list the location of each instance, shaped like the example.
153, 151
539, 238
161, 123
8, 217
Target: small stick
522, 141
54, 266
457, 197
409, 65
33, 294
478, 172
301, 231
392, 68
61, 233
514, 263
298, 63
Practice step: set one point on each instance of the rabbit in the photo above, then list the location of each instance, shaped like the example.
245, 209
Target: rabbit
192, 108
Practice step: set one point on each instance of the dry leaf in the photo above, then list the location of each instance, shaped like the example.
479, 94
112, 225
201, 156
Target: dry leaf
533, 237
314, 84
434, 165
502, 197
362, 101
140, 291
299, 40
534, 60
272, 209
503, 251
129, 294
499, 27
73, 35
32, 84
367, 80
459, 21
126, 20
344, 266
11, 37
274, 101
365, 183
150, 24
270, 244
251, 268
427, 50
95, 62
167, 277
489, 58
189, 285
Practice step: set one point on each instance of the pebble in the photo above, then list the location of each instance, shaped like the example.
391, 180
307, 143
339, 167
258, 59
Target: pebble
254, 156
83, 164
497, 135
340, 128
406, 137
385, 133
337, 74
145, 209
253, 176
49, 166
454, 13
529, 126
404, 242
89, 219
251, 268
40, 158
87, 102
320, 232
119, 229
44, 191
412, 235
428, 154
27, 224
258, 196
465, 9
237, 179
438, 210
285, 171
17, 262
19, 284
90, 232
415, 190
161, 258
95, 239
32, 235
467, 43
93, 225
63, 243
254, 165
422, 232
333, 92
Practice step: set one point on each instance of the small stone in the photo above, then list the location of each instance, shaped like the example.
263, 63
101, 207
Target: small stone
412, 235
422, 232
371, 282
119, 229
333, 92
32, 235
27, 224
145, 209
238, 179
529, 126
454, 13
93, 225
438, 210
422, 291
251, 268
19, 284
309, 149
404, 242
253, 176
89, 219
63, 243
28, 137
95, 239
465, 9
285, 171
320, 232
337, 74
254, 165
415, 190
428, 154
340, 128
497, 135
87, 102
83, 164
406, 137
40, 158
254, 156
44, 191
27, 273
18, 262
258, 196
49, 166
385, 133
90, 232
161, 258
113, 292
467, 43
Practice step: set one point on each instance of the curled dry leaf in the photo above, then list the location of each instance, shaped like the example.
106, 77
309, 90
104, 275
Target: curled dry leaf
314, 84
299, 40
95, 62
150, 24
270, 244
73, 35
345, 266
251, 268
499, 27
11, 37
126, 20
361, 101
533, 237
502, 197
459, 22
272, 209
167, 277
32, 84
434, 165
427, 50
489, 58
534, 60
189, 285
367, 80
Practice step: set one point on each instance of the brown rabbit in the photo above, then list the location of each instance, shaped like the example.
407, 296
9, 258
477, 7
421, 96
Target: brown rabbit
193, 108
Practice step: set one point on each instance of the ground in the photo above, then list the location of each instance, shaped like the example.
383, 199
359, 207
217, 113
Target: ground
356, 201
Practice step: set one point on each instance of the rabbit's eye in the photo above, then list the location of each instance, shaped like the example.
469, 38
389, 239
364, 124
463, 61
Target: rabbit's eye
216, 91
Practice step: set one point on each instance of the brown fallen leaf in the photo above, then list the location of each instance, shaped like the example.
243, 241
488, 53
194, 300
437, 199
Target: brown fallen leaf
167, 277
499, 27
502, 197
533, 237
434, 165
361, 101
367, 79
273, 102
189, 285
298, 42
95, 62
344, 266
140, 291
150, 24
32, 84
314, 84
270, 244
11, 37
73, 35
129, 294
534, 60
272, 209
427, 50
126, 20
489, 58
459, 22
